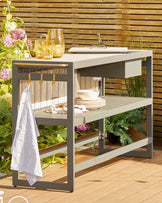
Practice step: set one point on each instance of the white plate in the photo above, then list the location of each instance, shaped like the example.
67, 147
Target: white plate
89, 99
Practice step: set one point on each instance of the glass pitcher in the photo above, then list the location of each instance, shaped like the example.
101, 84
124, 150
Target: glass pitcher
57, 36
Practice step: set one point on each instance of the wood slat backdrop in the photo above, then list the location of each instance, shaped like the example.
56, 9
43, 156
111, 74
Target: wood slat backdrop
115, 20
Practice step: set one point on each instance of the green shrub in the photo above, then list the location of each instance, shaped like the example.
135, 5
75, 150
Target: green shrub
119, 124
5, 135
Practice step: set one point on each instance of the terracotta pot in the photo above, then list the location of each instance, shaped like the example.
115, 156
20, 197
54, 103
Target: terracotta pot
136, 135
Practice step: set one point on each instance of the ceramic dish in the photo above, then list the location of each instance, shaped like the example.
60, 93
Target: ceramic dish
87, 94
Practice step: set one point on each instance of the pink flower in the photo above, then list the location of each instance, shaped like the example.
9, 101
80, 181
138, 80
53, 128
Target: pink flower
7, 40
8, 158
18, 34
29, 42
5, 74
2, 157
14, 43
82, 128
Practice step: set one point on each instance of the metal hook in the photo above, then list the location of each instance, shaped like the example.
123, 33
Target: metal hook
29, 81
41, 81
53, 82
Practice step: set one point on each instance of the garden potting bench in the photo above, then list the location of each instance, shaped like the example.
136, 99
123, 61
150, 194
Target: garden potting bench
113, 65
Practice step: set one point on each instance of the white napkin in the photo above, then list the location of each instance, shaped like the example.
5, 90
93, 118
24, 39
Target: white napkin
25, 152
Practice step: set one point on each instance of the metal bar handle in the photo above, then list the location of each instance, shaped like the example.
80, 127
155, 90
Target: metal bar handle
41, 64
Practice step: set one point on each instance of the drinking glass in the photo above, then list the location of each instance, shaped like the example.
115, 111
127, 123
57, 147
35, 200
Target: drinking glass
39, 48
48, 47
57, 36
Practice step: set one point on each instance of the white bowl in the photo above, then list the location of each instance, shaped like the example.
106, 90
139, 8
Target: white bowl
87, 94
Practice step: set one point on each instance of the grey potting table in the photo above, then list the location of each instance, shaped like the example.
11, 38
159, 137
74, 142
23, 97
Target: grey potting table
119, 65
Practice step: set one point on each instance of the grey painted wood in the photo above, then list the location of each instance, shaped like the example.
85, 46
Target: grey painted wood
78, 143
37, 76
149, 85
51, 121
70, 129
15, 101
123, 69
101, 122
111, 154
115, 105
45, 185
88, 60
133, 68
137, 153
2, 175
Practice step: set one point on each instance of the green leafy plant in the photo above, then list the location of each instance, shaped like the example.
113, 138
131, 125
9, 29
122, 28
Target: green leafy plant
13, 45
119, 125
52, 135
5, 135
136, 86
56, 158
49, 136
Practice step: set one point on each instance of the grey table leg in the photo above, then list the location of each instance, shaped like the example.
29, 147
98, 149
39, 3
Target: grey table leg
70, 129
149, 116
101, 123
15, 101
149, 83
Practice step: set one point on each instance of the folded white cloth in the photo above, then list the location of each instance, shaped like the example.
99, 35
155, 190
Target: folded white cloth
62, 109
25, 152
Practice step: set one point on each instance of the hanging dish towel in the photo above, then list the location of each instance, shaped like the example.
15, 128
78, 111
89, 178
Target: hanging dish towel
25, 153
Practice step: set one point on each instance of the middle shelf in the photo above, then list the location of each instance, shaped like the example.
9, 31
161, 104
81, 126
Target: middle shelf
114, 105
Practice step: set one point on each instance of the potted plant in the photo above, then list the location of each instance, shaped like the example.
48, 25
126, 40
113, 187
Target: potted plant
130, 126
136, 86
117, 127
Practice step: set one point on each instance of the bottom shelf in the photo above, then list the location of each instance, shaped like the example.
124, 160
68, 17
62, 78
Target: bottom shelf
126, 151
114, 153
63, 146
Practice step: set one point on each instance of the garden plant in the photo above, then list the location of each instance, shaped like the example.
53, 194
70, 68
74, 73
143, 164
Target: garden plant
117, 126
14, 44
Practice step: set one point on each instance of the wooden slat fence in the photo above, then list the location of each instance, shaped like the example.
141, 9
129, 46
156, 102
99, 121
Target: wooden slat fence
116, 20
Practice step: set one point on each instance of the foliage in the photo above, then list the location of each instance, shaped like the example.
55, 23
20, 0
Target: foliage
56, 158
13, 44
136, 86
5, 135
119, 124
10, 48
49, 136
